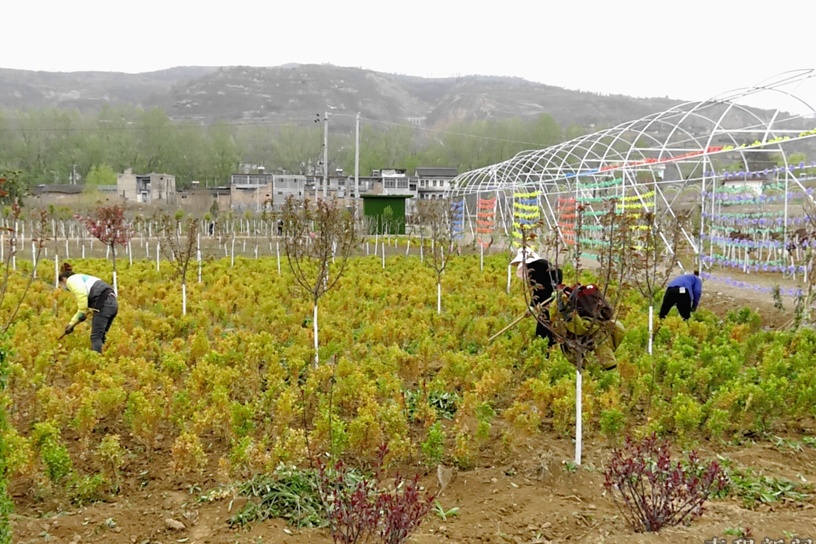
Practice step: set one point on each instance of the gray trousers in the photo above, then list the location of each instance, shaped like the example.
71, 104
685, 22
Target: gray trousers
102, 321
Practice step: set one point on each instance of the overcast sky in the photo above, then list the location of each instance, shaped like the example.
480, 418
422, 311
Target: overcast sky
687, 50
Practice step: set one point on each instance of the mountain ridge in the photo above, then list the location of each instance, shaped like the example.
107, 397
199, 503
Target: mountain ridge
295, 93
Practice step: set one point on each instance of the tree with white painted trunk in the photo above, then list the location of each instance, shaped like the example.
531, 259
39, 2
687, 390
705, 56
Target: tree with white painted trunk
586, 332
435, 219
179, 250
656, 241
318, 239
108, 225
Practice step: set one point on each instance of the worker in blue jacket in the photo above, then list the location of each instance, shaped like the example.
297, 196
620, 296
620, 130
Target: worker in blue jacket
684, 292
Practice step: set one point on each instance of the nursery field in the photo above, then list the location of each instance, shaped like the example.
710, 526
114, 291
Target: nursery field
179, 431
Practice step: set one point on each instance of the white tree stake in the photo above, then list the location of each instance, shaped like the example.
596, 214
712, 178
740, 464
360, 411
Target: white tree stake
277, 253
317, 357
56, 271
651, 326
183, 299
158, 247
115, 285
439, 298
578, 418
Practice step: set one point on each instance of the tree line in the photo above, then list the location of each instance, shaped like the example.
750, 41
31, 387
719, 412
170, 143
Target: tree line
51, 145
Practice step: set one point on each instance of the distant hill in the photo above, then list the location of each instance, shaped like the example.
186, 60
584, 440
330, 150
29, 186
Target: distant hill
89, 90
295, 93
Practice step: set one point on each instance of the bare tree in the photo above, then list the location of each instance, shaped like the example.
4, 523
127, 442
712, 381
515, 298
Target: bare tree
579, 329
108, 225
803, 310
656, 242
318, 240
178, 249
435, 222
40, 237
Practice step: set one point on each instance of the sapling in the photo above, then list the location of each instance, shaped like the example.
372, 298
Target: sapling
803, 307
652, 237
108, 225
580, 335
312, 235
179, 251
436, 216
40, 235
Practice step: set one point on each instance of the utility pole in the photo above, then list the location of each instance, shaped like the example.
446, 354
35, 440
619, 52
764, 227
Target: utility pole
326, 155
357, 161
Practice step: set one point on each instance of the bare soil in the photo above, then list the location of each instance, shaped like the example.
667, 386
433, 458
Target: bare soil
530, 495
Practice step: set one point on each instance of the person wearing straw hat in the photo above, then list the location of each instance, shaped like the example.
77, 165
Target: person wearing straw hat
543, 279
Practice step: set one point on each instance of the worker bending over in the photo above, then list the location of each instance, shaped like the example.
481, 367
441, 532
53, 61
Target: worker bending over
684, 292
543, 279
92, 295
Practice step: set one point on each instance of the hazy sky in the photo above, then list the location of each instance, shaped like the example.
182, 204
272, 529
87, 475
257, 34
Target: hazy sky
687, 50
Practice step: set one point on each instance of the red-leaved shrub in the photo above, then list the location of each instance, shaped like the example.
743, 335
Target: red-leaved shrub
357, 508
652, 492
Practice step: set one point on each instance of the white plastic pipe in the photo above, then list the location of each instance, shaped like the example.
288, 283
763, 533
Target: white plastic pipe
317, 357
579, 427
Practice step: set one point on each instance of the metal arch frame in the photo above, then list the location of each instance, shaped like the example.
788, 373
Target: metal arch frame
556, 170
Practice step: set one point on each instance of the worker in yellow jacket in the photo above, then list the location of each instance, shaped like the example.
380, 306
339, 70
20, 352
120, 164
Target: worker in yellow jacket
93, 296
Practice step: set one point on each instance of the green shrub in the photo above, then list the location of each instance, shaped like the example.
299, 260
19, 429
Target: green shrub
612, 422
433, 448
52, 452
